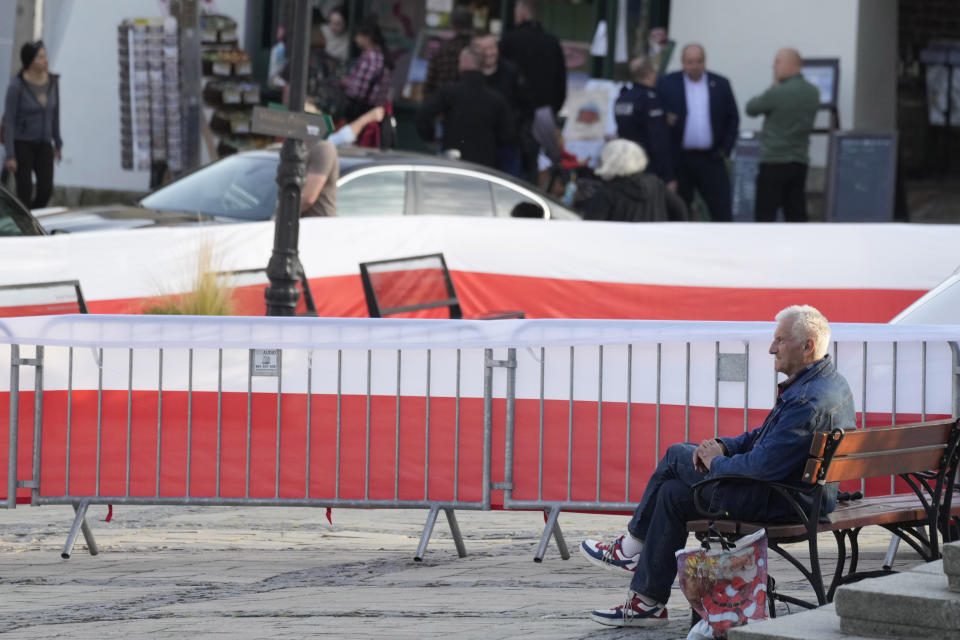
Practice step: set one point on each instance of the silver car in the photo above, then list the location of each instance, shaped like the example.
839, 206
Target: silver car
243, 188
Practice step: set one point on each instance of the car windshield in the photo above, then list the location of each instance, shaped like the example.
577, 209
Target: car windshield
240, 187
14, 218
940, 308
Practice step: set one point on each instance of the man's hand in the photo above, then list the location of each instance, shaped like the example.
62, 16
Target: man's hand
705, 453
57, 155
672, 185
672, 119
10, 164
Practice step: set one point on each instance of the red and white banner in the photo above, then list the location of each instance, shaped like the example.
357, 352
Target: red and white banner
549, 269
169, 407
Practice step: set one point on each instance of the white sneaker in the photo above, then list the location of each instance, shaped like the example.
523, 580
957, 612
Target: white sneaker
633, 613
609, 555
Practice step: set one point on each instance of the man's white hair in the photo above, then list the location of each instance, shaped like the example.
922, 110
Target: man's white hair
621, 158
808, 323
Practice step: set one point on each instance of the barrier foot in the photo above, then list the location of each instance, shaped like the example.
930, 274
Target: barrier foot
455, 532
427, 532
552, 528
891, 553
80, 524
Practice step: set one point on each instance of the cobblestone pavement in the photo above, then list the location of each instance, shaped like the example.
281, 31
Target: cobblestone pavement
279, 572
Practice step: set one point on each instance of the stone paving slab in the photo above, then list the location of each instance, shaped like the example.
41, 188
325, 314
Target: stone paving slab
285, 572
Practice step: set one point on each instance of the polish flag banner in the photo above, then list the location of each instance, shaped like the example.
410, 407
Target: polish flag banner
547, 268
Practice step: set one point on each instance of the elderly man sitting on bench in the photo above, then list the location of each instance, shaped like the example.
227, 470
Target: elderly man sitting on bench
814, 397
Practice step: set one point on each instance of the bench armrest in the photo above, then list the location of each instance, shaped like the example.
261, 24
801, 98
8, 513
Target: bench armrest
786, 491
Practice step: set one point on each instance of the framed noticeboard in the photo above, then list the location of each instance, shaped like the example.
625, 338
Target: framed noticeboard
824, 74
861, 179
746, 164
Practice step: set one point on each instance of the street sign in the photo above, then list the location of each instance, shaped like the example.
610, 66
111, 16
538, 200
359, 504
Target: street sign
291, 124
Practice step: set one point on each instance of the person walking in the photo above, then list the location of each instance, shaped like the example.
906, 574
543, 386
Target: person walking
642, 119
703, 117
32, 126
788, 108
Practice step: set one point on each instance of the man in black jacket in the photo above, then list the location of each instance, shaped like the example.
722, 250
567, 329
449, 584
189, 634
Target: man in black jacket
703, 117
476, 119
505, 78
541, 60
539, 56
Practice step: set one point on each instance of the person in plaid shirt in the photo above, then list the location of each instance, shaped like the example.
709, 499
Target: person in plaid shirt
368, 82
443, 69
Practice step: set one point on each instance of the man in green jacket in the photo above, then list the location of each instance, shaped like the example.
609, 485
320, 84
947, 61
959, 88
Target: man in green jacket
789, 108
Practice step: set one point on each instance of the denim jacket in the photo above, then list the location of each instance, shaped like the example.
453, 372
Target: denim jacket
818, 400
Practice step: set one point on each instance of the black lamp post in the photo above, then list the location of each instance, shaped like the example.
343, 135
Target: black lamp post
284, 268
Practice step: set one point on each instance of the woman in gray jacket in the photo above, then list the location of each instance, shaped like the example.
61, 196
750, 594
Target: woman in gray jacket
31, 125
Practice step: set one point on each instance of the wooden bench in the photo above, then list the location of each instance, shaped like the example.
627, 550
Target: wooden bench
413, 284
924, 454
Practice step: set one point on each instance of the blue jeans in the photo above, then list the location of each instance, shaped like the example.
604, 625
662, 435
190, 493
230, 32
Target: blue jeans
661, 520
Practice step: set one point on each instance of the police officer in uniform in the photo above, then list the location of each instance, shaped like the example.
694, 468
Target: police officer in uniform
642, 119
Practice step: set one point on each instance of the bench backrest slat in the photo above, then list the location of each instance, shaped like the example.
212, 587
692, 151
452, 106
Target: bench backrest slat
901, 436
884, 464
865, 453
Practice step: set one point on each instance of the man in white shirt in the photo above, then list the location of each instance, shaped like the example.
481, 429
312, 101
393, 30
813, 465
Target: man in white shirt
704, 121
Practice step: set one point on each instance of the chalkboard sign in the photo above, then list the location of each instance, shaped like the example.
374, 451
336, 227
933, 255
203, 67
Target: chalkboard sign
862, 176
824, 74
746, 160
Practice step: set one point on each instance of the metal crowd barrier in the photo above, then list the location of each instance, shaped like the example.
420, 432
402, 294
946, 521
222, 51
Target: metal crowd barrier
624, 401
545, 415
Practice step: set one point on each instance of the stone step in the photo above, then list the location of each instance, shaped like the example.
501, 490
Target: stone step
921, 592
951, 564
822, 624
915, 604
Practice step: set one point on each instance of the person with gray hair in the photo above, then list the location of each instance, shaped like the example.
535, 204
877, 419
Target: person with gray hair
642, 119
626, 193
812, 398
808, 323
